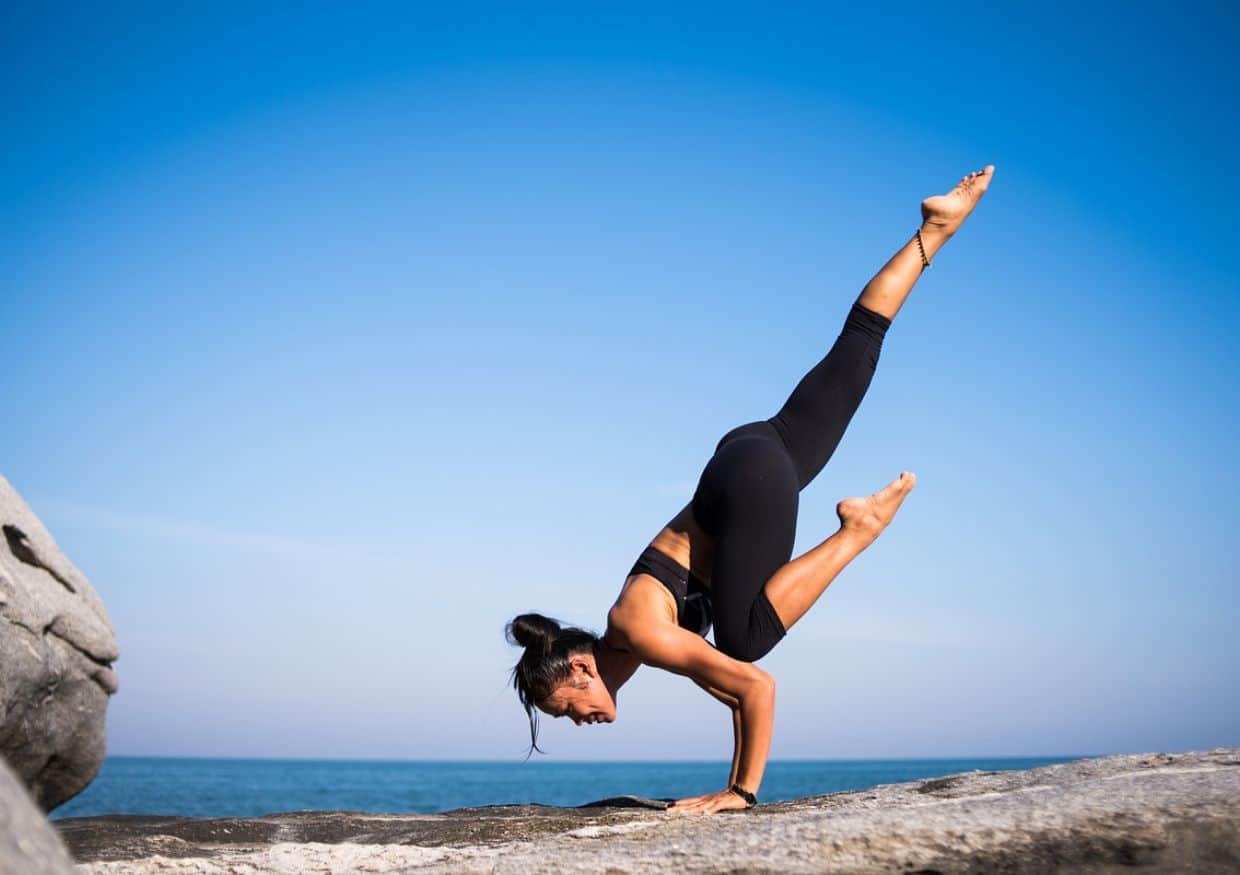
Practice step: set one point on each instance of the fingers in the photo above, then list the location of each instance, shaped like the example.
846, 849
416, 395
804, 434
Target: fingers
708, 804
693, 808
708, 807
686, 804
690, 805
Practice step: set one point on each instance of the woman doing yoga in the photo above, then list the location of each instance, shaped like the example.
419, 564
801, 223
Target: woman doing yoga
725, 558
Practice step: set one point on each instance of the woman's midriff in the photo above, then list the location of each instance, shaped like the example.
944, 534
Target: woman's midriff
683, 541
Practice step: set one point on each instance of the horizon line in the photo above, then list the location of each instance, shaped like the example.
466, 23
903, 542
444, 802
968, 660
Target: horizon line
617, 761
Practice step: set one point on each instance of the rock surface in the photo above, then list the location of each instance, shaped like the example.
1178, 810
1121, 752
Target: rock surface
28, 843
56, 653
1161, 812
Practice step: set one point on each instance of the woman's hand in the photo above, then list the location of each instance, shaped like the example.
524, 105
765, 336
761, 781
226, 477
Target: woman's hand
724, 800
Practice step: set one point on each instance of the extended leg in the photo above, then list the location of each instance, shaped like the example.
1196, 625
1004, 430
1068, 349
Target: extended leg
813, 419
816, 414
797, 585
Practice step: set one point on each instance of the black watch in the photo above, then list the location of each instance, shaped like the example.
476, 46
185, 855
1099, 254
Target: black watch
749, 798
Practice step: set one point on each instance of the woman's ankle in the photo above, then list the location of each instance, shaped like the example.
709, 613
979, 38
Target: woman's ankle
933, 237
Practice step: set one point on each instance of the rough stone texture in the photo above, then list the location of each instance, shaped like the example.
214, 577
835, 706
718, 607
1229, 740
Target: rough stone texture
56, 653
28, 844
1168, 813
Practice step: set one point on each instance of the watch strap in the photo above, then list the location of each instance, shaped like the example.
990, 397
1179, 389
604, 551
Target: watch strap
750, 799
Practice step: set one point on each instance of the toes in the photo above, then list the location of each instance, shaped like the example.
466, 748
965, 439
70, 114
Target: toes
900, 484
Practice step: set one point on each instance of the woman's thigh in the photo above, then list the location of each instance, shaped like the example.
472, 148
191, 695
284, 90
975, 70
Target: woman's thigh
746, 501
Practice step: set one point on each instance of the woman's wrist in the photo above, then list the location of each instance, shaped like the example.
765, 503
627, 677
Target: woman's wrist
751, 799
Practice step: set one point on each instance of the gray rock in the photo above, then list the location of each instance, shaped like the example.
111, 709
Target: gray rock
1165, 813
28, 844
56, 653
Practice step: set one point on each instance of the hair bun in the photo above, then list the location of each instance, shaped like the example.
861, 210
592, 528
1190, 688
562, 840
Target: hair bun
546, 661
533, 632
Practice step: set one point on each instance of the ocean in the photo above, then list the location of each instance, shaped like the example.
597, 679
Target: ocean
249, 787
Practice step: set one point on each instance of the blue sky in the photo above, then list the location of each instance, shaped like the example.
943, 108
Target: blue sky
336, 337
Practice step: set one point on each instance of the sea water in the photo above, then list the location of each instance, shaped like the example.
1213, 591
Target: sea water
249, 787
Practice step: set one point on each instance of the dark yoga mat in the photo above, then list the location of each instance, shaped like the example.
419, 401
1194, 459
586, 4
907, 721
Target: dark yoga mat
628, 802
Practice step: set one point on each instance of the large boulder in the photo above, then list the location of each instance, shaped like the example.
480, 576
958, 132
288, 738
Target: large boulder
28, 843
56, 653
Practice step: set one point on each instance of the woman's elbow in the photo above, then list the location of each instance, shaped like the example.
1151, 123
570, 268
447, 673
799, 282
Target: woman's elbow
761, 685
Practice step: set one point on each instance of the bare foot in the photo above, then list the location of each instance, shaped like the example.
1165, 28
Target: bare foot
869, 516
945, 213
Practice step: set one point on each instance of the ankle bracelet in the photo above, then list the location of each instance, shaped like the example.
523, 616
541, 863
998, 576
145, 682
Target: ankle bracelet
925, 262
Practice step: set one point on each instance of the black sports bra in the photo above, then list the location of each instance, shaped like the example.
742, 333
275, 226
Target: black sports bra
693, 606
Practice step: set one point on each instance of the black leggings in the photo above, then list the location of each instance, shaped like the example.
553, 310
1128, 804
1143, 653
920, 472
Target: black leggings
746, 498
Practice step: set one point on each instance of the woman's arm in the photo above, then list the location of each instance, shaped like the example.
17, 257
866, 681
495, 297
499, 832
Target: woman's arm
734, 706
682, 652
738, 744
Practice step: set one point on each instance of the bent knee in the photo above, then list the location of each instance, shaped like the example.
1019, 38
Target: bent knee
754, 640
743, 648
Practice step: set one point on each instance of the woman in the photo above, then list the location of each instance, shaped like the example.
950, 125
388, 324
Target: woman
724, 559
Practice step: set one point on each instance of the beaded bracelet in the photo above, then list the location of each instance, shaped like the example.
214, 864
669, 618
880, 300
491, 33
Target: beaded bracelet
925, 262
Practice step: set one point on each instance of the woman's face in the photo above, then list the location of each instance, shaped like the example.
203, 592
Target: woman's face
583, 698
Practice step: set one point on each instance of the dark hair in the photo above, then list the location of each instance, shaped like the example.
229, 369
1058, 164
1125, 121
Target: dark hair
545, 663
